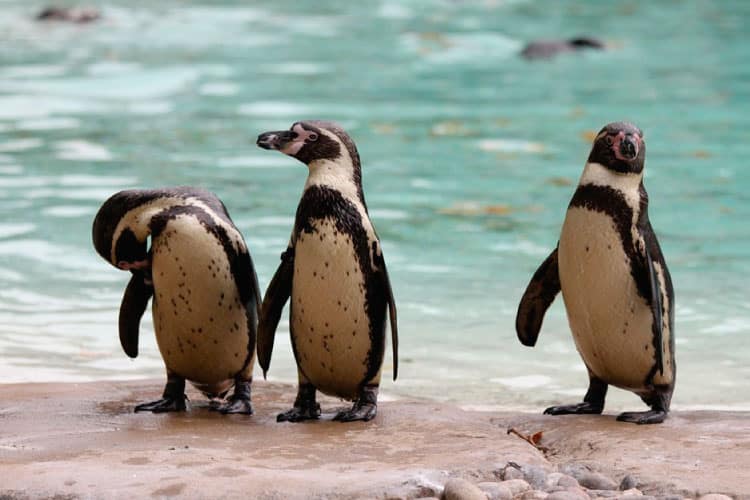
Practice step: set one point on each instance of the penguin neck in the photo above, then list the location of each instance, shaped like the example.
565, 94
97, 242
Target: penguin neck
340, 175
629, 184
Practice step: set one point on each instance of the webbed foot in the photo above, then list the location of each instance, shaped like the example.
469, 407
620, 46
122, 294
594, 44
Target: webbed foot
584, 408
239, 402
164, 405
300, 414
643, 417
365, 408
305, 407
359, 411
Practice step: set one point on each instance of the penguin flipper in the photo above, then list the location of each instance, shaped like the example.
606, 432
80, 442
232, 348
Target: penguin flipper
392, 317
277, 293
134, 302
379, 261
539, 295
656, 311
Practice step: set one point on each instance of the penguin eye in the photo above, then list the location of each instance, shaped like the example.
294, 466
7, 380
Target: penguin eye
312, 136
609, 140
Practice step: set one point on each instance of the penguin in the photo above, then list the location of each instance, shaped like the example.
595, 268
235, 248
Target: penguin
334, 272
615, 283
205, 291
549, 49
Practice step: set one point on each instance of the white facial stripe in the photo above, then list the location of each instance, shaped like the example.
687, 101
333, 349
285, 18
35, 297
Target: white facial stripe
303, 136
138, 219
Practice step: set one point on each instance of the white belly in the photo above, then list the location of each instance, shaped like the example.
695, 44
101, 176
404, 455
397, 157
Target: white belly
611, 323
330, 328
200, 324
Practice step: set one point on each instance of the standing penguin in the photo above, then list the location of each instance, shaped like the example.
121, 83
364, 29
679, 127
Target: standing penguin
335, 273
614, 281
205, 290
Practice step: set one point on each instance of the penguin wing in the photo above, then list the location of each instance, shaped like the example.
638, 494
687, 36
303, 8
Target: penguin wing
539, 295
657, 307
134, 302
380, 261
249, 290
277, 294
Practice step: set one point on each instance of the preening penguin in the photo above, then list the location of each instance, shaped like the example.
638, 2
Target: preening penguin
335, 273
205, 292
615, 284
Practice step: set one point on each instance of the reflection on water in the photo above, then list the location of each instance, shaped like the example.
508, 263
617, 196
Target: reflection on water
470, 157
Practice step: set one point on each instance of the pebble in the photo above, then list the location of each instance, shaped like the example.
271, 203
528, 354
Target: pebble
567, 481
571, 494
533, 495
629, 482
630, 492
596, 481
461, 489
496, 491
714, 496
516, 486
511, 472
535, 476
604, 493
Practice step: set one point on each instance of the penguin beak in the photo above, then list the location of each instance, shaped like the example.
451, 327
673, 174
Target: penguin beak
275, 140
626, 146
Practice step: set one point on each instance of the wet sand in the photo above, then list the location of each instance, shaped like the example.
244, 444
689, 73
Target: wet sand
83, 440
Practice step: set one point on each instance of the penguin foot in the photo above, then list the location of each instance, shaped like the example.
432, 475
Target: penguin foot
360, 411
643, 417
164, 405
300, 414
235, 405
584, 408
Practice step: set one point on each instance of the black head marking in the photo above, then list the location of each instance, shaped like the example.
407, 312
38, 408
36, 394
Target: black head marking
620, 147
586, 42
308, 141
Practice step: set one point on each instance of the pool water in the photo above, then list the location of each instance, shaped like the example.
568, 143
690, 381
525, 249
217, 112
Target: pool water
470, 155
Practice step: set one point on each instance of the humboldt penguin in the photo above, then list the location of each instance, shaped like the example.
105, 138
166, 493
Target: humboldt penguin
334, 271
205, 291
615, 284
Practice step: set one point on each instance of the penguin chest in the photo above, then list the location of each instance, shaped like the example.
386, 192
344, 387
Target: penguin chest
329, 322
611, 323
200, 324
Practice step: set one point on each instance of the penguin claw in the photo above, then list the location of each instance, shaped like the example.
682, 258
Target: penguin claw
643, 417
235, 406
164, 405
300, 414
576, 409
364, 412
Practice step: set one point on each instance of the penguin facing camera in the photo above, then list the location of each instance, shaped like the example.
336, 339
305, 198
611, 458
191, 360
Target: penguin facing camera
334, 271
204, 288
615, 283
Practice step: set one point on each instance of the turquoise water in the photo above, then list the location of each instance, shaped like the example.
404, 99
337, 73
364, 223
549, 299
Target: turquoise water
470, 156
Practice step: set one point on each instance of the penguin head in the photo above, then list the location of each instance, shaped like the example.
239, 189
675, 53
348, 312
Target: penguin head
312, 140
620, 147
116, 244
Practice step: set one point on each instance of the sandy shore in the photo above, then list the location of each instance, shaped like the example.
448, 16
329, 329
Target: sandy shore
83, 440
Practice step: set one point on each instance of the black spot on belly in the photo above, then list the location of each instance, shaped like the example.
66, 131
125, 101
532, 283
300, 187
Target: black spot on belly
216, 342
587, 248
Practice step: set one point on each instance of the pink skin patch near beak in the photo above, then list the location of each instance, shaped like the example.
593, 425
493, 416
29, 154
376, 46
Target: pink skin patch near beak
293, 147
138, 264
616, 145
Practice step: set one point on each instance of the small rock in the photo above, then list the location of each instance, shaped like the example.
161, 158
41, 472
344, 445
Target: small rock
511, 472
496, 491
596, 481
714, 496
567, 481
631, 492
516, 486
461, 489
533, 495
552, 479
604, 493
535, 476
629, 482
427, 498
571, 494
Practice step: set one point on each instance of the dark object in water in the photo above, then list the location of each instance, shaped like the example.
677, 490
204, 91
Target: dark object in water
547, 49
68, 14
